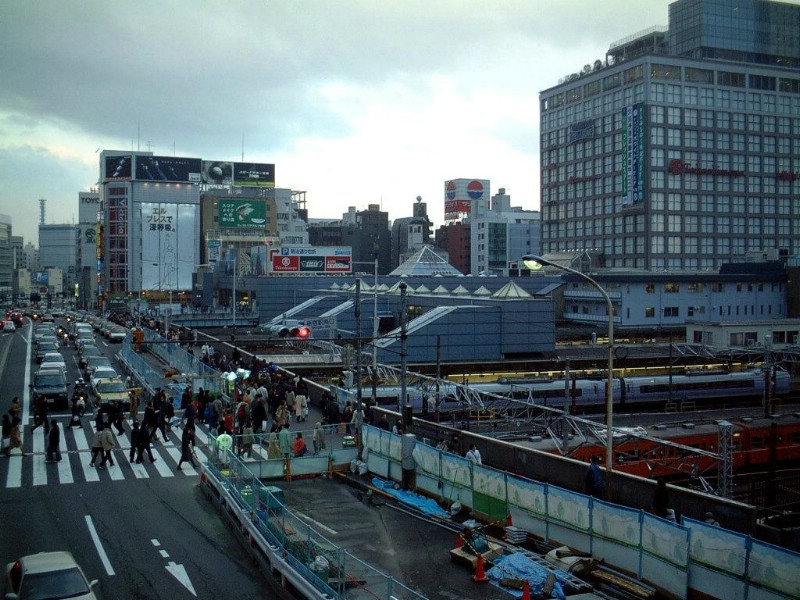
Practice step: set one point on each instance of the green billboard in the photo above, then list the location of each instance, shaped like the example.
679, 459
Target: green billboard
249, 214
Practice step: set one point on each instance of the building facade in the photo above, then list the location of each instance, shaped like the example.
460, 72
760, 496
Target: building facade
57, 254
682, 149
151, 238
501, 234
6, 258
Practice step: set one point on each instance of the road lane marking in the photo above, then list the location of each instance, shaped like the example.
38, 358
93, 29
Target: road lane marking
99, 546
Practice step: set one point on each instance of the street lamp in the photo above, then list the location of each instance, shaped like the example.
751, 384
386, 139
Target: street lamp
374, 325
535, 263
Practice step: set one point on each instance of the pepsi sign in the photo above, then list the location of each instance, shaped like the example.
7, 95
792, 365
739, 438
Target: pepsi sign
475, 189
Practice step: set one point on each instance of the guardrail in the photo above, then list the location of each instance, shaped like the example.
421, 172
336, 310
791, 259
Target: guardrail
315, 566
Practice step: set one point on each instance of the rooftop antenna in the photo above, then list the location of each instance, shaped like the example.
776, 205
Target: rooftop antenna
42, 210
243, 146
138, 136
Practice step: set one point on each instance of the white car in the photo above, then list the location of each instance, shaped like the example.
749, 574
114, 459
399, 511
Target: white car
102, 373
53, 575
8, 326
54, 360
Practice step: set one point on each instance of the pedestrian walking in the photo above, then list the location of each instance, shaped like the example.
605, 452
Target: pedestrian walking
53, 443
109, 443
474, 455
593, 479
97, 446
318, 438
6, 446
134, 440
15, 441
285, 439
187, 445
144, 443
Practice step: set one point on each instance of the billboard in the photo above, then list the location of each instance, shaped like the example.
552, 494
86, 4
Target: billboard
168, 168
310, 259
168, 245
248, 214
40, 278
633, 154
217, 172
254, 174
118, 168
460, 194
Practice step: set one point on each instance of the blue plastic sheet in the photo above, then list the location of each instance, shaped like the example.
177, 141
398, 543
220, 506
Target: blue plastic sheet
519, 566
426, 505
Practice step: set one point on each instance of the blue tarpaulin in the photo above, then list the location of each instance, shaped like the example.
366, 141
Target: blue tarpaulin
520, 566
426, 505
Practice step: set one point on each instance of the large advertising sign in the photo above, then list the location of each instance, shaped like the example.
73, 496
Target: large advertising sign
217, 172
168, 245
237, 173
459, 195
254, 174
309, 259
633, 153
118, 168
168, 168
249, 214
40, 278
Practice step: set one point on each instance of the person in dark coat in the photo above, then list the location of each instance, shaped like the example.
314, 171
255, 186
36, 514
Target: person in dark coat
144, 443
593, 480
53, 443
187, 445
661, 499
134, 440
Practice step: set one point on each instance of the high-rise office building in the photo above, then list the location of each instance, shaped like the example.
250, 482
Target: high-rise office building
680, 150
57, 250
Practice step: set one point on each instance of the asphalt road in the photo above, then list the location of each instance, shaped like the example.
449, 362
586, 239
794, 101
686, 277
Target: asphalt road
142, 537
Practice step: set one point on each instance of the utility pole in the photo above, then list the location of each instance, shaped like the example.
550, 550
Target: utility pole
358, 344
403, 347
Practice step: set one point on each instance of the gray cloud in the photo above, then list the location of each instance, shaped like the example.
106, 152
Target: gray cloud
198, 76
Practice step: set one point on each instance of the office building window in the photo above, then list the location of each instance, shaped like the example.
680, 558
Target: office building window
657, 92
690, 95
699, 75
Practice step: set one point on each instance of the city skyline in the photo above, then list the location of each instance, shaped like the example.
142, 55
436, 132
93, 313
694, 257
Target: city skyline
420, 94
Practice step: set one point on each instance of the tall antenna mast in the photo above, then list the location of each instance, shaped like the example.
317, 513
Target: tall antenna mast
42, 209
243, 146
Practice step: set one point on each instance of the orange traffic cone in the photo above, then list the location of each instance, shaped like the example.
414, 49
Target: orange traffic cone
459, 541
526, 590
480, 575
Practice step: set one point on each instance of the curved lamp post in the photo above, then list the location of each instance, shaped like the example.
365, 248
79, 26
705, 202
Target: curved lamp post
535, 263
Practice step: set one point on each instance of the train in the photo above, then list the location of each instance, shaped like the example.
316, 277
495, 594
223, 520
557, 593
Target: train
755, 443
703, 387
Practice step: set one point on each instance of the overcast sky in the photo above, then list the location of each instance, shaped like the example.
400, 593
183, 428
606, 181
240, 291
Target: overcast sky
356, 102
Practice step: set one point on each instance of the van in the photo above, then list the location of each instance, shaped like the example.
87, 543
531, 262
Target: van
51, 385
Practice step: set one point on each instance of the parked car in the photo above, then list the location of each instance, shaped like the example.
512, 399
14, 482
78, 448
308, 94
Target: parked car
48, 575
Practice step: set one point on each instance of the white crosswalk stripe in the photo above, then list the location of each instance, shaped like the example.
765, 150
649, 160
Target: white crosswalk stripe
31, 468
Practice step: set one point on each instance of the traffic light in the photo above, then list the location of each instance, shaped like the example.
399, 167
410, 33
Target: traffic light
295, 331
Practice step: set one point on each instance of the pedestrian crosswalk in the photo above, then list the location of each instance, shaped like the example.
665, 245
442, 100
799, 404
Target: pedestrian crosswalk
31, 469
